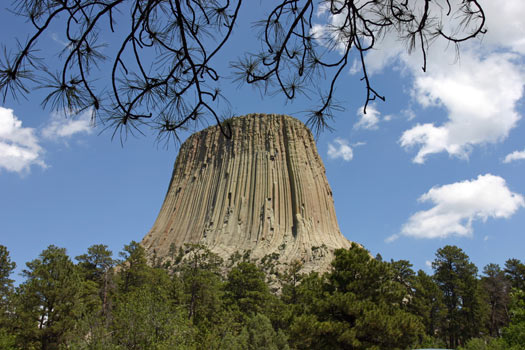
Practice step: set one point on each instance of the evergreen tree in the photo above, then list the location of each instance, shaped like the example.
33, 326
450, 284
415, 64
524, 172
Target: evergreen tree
404, 275
514, 333
355, 271
134, 267
515, 272
262, 336
7, 338
290, 280
485, 344
427, 303
6, 285
97, 266
456, 276
497, 290
247, 290
200, 274
358, 305
145, 319
50, 302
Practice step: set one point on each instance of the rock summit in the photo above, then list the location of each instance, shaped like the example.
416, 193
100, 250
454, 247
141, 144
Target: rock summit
263, 189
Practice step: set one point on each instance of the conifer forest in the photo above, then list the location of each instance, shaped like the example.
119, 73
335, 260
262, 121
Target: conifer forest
195, 300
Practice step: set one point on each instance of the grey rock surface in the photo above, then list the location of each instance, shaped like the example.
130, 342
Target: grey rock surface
264, 189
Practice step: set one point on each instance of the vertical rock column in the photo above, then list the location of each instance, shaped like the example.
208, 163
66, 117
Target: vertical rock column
263, 190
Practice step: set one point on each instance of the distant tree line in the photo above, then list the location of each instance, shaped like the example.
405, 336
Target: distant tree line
195, 300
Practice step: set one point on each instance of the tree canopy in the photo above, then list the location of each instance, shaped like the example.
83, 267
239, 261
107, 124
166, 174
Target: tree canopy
162, 71
201, 302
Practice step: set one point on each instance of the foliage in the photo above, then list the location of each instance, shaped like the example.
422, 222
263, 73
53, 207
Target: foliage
7, 341
515, 273
198, 302
143, 319
51, 300
456, 276
200, 276
514, 333
262, 336
428, 304
135, 269
6, 268
6, 288
97, 266
160, 63
246, 290
484, 344
497, 289
358, 306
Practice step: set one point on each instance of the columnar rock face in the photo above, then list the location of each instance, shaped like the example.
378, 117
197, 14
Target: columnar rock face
263, 190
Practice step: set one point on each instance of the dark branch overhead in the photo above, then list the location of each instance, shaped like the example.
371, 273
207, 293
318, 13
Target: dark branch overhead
180, 86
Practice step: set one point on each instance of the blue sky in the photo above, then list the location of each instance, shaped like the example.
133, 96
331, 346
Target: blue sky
442, 161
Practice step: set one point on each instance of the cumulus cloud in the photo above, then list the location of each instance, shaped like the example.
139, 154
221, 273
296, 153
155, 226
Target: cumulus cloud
479, 91
19, 146
480, 96
340, 149
516, 155
325, 34
62, 127
368, 120
505, 24
458, 205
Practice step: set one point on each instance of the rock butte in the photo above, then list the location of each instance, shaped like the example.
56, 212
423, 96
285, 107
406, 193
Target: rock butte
264, 189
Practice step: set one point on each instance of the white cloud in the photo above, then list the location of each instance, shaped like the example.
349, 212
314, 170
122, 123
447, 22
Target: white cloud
65, 127
479, 91
505, 24
458, 205
428, 263
480, 96
325, 33
369, 120
341, 149
19, 148
408, 113
355, 68
58, 40
516, 155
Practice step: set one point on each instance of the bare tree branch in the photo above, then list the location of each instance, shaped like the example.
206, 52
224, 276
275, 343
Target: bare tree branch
180, 86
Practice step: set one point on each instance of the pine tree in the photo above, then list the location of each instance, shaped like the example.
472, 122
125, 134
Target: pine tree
514, 333
515, 272
134, 271
428, 303
97, 266
200, 275
456, 276
144, 319
50, 302
358, 305
7, 338
497, 291
247, 290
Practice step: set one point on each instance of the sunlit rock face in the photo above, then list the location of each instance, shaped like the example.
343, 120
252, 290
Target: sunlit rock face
264, 189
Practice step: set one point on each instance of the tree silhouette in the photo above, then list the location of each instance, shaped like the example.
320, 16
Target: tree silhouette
162, 72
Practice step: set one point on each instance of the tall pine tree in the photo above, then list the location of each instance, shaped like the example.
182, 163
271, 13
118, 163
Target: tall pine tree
456, 276
50, 302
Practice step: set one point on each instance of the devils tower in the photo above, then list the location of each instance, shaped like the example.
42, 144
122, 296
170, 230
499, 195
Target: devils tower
264, 190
